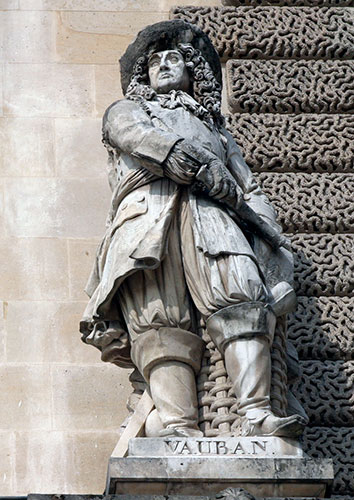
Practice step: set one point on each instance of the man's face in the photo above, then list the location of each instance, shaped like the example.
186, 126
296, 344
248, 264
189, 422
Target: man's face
167, 71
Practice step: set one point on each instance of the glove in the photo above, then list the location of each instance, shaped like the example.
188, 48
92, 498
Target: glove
219, 183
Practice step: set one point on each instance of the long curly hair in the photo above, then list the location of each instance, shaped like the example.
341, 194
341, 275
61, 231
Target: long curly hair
205, 89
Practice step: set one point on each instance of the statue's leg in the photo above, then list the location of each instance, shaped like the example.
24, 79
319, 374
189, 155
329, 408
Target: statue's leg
169, 359
229, 293
174, 394
158, 312
243, 333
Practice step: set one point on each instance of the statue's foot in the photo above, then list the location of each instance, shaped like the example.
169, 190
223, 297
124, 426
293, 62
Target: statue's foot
271, 425
185, 432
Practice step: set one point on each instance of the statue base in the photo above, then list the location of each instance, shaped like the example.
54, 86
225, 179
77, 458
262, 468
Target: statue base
264, 466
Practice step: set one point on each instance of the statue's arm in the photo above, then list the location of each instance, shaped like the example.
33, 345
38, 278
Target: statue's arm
128, 128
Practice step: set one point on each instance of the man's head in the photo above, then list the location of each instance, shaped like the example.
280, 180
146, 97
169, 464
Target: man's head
167, 71
174, 55
167, 35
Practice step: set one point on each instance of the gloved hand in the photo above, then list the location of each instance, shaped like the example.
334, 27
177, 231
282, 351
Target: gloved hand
212, 177
180, 166
219, 183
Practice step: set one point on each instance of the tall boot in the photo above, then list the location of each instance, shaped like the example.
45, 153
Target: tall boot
243, 333
173, 390
248, 364
169, 359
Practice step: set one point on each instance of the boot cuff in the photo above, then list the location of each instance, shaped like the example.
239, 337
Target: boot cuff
166, 344
240, 321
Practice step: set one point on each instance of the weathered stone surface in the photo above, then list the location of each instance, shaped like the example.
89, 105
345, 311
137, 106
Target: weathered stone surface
120, 23
290, 3
324, 264
27, 397
7, 462
290, 86
271, 33
36, 269
28, 36
81, 257
82, 47
49, 207
48, 90
79, 151
107, 87
2, 214
301, 143
323, 328
2, 333
336, 443
97, 38
311, 203
325, 389
37, 150
55, 333
75, 388
83, 458
9, 4
1, 86
198, 476
105, 5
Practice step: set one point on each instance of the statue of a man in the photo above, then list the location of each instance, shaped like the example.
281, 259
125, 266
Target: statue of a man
178, 248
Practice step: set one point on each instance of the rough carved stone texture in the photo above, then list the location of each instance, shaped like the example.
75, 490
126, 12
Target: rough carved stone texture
291, 3
325, 389
295, 143
290, 86
324, 264
271, 33
323, 328
336, 443
310, 203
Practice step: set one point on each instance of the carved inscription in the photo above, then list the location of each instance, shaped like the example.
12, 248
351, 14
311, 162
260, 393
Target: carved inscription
238, 447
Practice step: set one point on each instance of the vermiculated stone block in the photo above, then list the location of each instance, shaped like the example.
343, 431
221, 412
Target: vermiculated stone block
271, 33
299, 143
336, 443
323, 328
324, 264
325, 390
290, 86
311, 203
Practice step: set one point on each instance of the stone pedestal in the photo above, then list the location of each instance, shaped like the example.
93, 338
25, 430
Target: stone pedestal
264, 466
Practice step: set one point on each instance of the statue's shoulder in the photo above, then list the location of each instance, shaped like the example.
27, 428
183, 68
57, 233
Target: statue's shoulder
231, 144
119, 108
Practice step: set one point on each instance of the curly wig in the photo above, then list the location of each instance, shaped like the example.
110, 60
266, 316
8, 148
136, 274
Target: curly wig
205, 88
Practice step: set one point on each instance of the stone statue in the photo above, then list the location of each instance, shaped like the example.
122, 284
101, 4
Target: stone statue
190, 238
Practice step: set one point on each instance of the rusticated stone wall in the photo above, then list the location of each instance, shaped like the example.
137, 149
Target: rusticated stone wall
289, 75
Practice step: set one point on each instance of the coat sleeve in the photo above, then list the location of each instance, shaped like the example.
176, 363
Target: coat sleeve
129, 129
253, 195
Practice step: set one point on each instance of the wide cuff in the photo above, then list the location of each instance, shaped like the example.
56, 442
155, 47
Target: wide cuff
166, 344
156, 146
241, 321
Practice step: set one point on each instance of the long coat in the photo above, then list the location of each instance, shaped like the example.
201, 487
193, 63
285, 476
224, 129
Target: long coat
139, 137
